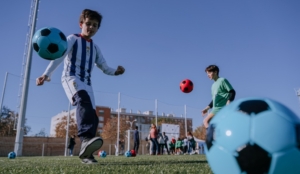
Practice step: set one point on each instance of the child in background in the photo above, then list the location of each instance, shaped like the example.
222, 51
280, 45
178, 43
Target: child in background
178, 146
184, 145
172, 145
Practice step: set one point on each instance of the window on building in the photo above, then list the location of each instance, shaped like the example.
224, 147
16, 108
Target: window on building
101, 112
101, 118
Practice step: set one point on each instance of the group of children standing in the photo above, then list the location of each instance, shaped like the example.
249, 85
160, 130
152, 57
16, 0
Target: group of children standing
185, 145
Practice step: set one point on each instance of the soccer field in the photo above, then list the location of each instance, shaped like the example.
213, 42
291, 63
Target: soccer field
111, 164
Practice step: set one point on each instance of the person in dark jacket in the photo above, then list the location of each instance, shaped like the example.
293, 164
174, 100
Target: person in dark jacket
71, 144
136, 140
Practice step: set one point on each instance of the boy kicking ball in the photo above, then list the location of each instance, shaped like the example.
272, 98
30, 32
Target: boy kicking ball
222, 93
81, 55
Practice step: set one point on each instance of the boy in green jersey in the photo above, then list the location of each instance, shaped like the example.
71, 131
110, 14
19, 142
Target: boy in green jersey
222, 93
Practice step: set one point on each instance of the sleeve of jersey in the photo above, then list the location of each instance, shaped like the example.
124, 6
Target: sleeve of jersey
55, 63
227, 85
101, 63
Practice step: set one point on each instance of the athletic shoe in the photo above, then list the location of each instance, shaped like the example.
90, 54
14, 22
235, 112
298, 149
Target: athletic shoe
89, 146
90, 160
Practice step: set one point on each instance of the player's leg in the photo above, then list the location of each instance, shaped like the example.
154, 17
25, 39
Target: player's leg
90, 122
166, 146
207, 119
85, 117
134, 146
156, 146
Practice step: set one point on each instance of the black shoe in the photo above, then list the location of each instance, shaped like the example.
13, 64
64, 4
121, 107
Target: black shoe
89, 146
90, 160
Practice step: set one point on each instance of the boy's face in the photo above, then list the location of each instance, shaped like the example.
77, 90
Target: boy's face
211, 74
89, 28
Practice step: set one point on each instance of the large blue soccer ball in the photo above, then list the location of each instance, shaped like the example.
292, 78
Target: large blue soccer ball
49, 43
102, 154
11, 155
127, 154
254, 135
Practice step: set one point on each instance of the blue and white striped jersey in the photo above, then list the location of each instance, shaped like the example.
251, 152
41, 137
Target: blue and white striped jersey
79, 59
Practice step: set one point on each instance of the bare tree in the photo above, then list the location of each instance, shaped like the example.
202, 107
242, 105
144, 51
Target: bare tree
61, 127
42, 133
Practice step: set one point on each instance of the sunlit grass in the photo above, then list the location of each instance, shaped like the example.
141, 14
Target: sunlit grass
111, 164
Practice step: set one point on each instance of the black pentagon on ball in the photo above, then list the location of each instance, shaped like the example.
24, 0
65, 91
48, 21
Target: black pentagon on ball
253, 159
52, 48
298, 135
186, 89
62, 36
253, 106
36, 47
45, 32
210, 136
184, 82
191, 83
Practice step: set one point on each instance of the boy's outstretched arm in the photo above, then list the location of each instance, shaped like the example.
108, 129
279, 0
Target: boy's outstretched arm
49, 70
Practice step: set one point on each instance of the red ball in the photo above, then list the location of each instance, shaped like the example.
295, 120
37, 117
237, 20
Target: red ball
133, 154
186, 86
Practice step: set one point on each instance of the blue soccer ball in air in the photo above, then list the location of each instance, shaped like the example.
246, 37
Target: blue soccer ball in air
254, 135
127, 154
102, 154
11, 155
49, 43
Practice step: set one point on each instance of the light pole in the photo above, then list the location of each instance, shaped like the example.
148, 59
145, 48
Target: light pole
131, 122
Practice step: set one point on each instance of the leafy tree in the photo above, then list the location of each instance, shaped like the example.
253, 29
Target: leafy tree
110, 129
8, 122
61, 127
200, 132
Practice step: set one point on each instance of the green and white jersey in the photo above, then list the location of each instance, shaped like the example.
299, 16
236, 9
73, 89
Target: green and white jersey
220, 94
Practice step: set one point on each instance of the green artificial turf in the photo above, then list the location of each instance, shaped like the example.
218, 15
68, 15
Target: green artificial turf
111, 164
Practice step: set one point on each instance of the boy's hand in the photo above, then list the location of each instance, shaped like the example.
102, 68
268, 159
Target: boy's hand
204, 111
120, 70
40, 80
228, 102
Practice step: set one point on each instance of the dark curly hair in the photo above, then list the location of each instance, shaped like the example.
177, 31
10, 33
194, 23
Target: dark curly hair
212, 68
91, 14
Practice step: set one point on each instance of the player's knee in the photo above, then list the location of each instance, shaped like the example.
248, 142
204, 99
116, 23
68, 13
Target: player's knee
82, 97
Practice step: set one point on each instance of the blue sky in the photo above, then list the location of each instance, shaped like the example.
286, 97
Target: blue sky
256, 44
